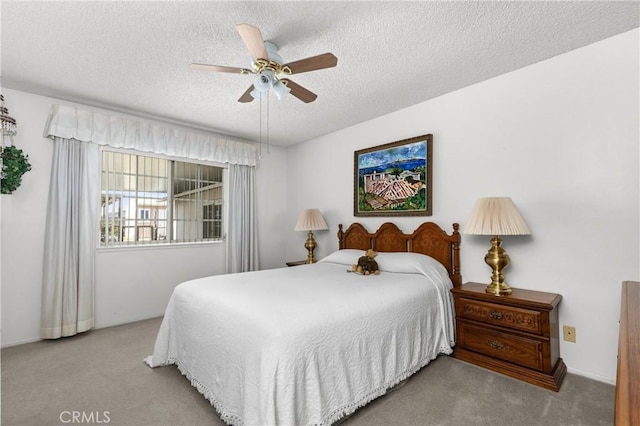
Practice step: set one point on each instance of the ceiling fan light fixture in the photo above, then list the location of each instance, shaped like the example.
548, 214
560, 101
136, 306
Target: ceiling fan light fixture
264, 81
280, 89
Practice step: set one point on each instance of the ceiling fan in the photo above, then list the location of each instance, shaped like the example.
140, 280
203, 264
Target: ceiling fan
268, 67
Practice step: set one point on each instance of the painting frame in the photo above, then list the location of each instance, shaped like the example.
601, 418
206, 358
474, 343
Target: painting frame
385, 174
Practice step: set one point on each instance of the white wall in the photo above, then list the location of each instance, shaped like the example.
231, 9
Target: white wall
272, 208
561, 138
132, 283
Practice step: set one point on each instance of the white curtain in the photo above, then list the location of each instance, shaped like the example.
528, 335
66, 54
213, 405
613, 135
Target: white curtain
70, 240
242, 236
74, 196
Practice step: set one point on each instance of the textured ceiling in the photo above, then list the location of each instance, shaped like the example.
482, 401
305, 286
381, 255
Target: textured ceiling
134, 56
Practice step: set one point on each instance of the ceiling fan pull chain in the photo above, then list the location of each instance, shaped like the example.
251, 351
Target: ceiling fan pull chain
260, 120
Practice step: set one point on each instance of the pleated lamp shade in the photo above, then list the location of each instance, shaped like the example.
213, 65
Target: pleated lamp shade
495, 216
310, 220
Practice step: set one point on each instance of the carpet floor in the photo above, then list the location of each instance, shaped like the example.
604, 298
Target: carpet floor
99, 377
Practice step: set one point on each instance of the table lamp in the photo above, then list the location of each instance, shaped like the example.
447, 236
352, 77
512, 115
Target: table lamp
310, 220
496, 216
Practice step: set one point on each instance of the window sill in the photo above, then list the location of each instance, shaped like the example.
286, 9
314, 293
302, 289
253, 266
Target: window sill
203, 244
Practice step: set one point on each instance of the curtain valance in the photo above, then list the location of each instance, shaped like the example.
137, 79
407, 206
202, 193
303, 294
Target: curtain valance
118, 132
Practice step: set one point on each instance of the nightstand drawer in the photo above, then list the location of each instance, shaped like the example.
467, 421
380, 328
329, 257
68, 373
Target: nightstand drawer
508, 347
505, 316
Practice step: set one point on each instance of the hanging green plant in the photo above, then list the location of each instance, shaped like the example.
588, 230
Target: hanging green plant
14, 164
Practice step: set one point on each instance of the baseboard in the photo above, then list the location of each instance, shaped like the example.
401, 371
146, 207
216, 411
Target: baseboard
117, 323
608, 380
20, 342
97, 327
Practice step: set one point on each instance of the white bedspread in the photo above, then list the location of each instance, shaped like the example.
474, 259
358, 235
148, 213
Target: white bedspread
303, 345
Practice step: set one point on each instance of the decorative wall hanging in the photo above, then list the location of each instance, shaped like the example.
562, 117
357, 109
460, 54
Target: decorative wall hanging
13, 162
394, 179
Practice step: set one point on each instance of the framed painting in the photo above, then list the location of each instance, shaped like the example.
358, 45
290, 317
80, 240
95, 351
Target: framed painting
394, 179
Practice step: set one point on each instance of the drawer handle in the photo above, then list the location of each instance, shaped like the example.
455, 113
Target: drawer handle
496, 345
495, 315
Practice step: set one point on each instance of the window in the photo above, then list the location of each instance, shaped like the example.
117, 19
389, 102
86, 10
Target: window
149, 200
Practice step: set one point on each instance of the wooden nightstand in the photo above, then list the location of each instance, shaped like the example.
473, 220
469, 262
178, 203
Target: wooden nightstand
296, 262
516, 335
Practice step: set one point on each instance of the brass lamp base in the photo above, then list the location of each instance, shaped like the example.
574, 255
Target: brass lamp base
310, 245
497, 259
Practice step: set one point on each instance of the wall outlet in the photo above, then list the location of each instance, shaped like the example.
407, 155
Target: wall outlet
569, 333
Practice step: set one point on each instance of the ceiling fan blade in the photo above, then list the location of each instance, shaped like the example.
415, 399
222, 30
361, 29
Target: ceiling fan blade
252, 38
219, 68
300, 92
246, 96
326, 60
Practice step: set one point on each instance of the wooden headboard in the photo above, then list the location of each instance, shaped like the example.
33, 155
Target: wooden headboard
427, 239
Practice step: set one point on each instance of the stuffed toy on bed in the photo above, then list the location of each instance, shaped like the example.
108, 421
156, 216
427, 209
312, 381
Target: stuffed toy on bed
366, 264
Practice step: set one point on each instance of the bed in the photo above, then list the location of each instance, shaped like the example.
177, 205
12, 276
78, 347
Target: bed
309, 345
